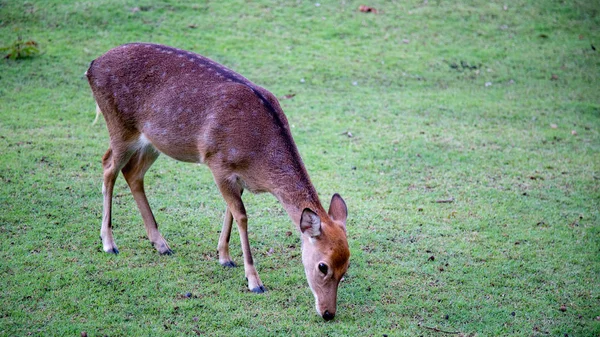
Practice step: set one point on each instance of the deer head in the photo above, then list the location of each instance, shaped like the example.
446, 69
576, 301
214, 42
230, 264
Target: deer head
325, 253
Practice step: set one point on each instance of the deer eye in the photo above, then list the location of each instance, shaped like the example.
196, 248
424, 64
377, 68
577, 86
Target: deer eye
323, 268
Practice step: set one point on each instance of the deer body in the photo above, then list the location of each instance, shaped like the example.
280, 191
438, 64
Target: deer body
157, 99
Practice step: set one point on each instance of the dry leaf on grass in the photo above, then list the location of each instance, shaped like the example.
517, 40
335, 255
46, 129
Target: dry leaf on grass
367, 9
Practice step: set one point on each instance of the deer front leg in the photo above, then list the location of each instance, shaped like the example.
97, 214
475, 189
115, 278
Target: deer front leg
223, 247
254, 283
232, 193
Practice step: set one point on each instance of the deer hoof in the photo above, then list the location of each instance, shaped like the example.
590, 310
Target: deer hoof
259, 290
162, 248
228, 264
166, 252
113, 250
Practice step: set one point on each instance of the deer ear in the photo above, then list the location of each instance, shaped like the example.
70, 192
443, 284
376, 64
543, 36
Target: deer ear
337, 209
310, 223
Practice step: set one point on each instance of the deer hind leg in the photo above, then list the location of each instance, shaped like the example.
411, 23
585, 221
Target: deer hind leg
112, 161
134, 173
232, 193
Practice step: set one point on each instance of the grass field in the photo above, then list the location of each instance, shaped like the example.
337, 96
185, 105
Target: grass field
492, 105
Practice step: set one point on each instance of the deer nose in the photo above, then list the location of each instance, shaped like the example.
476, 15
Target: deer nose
328, 316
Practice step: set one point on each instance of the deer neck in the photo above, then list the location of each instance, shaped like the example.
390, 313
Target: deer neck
295, 193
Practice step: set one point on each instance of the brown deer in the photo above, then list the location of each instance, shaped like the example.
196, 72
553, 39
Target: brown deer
157, 99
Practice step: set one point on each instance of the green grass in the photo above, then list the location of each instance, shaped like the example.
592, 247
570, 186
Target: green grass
520, 240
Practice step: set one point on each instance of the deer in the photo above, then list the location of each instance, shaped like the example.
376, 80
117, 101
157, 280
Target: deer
159, 99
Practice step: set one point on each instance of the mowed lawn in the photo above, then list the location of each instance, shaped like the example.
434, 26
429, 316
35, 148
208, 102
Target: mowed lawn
464, 137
